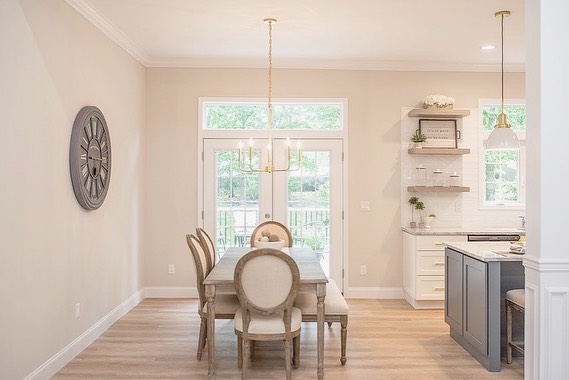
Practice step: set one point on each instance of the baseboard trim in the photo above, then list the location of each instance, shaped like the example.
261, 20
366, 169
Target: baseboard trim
171, 292
60, 360
374, 293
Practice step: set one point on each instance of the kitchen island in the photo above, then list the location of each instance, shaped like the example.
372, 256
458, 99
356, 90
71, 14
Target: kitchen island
477, 277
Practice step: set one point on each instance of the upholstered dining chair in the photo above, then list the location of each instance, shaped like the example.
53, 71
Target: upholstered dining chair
211, 253
267, 311
274, 228
225, 304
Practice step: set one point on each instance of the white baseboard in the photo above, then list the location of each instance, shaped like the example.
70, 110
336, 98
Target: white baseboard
171, 292
374, 293
59, 360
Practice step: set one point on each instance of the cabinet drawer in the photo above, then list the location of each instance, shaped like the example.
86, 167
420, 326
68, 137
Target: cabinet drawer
436, 242
430, 263
430, 288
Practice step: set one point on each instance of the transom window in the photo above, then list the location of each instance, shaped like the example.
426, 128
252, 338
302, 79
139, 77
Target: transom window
252, 115
503, 170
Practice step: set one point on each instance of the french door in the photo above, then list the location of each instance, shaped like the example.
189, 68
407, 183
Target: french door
308, 200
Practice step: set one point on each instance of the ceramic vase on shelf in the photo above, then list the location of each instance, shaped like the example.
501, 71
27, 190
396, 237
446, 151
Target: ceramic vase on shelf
430, 220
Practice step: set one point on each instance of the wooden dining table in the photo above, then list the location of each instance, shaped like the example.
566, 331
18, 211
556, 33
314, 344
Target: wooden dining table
220, 280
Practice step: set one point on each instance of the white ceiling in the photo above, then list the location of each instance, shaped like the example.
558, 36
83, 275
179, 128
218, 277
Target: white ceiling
348, 34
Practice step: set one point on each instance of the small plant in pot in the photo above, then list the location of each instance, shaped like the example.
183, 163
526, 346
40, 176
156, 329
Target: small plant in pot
413, 201
418, 139
430, 220
420, 206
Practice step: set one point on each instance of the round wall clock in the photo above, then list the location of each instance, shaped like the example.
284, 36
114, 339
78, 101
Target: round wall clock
90, 158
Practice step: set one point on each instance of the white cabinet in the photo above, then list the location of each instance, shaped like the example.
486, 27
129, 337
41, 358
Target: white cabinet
424, 269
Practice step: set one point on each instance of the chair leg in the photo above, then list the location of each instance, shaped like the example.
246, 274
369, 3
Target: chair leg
296, 352
239, 352
508, 333
343, 337
288, 359
202, 337
245, 364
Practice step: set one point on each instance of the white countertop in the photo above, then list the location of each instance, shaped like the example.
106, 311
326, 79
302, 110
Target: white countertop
486, 251
464, 231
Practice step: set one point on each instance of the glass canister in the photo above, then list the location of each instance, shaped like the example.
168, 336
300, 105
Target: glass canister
438, 178
454, 179
421, 175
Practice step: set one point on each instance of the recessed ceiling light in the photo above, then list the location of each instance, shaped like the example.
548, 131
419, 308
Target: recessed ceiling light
488, 47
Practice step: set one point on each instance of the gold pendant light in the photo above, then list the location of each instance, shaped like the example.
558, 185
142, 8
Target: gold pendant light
269, 165
502, 136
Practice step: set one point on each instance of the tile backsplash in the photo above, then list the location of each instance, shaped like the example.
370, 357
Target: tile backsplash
452, 209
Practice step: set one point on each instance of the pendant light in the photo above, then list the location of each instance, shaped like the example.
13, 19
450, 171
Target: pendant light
247, 167
502, 136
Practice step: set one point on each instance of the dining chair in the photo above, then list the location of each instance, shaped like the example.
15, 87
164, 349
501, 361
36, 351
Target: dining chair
267, 312
274, 228
211, 253
335, 310
226, 305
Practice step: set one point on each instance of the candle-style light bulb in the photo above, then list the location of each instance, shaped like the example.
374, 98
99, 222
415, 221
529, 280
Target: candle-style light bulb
240, 145
251, 142
288, 141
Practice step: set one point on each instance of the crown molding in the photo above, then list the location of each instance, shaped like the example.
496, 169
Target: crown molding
87, 10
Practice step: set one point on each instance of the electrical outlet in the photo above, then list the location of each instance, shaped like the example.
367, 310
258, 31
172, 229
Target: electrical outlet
171, 268
363, 270
458, 207
364, 206
77, 310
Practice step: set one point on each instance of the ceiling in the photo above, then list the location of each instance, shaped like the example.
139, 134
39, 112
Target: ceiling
438, 35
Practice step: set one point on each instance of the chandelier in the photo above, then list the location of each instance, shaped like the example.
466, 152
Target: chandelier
502, 136
246, 159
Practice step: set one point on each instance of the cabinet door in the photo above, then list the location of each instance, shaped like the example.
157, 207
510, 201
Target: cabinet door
475, 304
453, 289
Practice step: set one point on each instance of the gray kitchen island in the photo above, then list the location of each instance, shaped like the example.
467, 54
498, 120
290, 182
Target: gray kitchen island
477, 277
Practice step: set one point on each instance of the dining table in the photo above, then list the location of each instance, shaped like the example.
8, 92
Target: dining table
220, 281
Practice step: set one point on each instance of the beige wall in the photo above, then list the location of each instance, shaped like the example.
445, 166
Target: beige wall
375, 101
53, 253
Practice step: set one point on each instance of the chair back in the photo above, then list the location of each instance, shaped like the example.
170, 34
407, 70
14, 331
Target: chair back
274, 228
211, 253
266, 282
201, 264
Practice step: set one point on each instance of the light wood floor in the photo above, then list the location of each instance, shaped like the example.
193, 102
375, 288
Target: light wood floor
387, 340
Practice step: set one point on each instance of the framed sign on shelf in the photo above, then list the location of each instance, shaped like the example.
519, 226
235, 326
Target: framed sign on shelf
440, 133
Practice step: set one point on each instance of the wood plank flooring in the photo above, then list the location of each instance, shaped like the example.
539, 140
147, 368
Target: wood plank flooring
387, 339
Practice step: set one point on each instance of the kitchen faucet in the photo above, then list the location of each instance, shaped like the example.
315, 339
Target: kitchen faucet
523, 223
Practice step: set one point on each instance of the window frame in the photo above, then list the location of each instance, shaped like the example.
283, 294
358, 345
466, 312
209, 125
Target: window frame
277, 133
493, 206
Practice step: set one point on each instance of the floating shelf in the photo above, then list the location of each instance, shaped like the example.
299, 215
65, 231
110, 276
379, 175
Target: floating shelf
435, 114
438, 189
438, 151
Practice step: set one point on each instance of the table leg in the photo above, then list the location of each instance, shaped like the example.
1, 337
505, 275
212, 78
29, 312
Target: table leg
210, 296
320, 294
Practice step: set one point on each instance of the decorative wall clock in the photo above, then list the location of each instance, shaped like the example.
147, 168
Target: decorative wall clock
90, 157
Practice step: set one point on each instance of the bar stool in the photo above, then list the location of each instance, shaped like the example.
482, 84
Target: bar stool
515, 299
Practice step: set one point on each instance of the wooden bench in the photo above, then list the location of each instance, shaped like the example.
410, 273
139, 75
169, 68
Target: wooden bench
336, 310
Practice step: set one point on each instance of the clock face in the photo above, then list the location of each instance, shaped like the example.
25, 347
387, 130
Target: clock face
90, 158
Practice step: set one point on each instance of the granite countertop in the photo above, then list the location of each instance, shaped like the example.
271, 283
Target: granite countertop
464, 231
486, 251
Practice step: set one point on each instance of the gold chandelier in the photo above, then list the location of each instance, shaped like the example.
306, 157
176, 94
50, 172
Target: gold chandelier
269, 165
502, 136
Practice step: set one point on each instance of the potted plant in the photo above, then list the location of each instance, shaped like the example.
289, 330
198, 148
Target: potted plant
413, 201
418, 139
420, 206
438, 102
